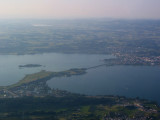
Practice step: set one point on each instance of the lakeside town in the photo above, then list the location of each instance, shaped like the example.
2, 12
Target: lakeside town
36, 89
127, 59
36, 84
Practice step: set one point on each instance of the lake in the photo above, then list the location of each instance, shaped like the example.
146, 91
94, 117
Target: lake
130, 81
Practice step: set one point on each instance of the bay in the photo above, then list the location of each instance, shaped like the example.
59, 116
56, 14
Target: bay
129, 81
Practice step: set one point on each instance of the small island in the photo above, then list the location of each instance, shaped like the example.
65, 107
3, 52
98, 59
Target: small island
30, 65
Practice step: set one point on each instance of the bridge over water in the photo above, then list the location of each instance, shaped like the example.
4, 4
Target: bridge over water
99, 66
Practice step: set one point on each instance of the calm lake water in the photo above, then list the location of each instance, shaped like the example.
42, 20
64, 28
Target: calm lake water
130, 81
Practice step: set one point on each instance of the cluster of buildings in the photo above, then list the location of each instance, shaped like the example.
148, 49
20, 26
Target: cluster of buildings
139, 115
37, 89
37, 86
127, 59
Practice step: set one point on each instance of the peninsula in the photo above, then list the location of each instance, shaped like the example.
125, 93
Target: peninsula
35, 84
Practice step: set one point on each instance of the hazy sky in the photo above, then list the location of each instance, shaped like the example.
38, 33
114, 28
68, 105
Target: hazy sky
80, 9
